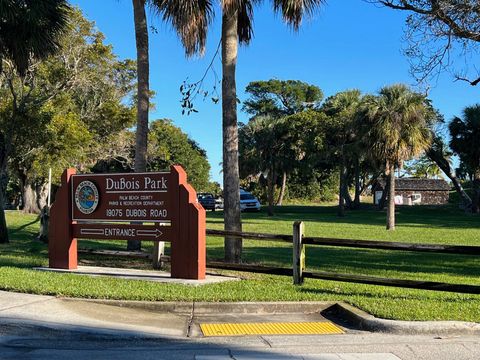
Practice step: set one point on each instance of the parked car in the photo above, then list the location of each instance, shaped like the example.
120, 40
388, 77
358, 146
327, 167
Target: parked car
218, 203
248, 201
207, 200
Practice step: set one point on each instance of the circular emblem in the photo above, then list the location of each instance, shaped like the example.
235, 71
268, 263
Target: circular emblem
86, 197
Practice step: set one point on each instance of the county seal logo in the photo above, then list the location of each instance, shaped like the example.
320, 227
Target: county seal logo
86, 197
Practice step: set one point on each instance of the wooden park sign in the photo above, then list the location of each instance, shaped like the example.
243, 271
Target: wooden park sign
158, 206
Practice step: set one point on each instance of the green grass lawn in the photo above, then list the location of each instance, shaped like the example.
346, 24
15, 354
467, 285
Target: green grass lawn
442, 225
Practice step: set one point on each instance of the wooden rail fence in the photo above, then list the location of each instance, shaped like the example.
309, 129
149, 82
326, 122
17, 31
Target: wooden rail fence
298, 240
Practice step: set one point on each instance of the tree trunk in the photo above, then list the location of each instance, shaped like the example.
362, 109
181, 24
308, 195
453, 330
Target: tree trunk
341, 193
282, 189
444, 165
383, 199
346, 196
141, 38
3, 222
358, 190
44, 223
271, 191
231, 182
34, 194
391, 198
3, 182
29, 196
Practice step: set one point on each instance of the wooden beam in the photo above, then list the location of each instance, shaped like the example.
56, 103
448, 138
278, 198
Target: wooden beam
387, 245
250, 235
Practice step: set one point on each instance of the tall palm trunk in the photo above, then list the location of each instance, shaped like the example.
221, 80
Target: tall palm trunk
271, 191
341, 192
231, 183
141, 38
358, 190
391, 198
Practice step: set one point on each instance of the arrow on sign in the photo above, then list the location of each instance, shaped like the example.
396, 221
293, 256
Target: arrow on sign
92, 231
156, 233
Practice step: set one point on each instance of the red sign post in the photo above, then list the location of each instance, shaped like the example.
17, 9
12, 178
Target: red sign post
101, 206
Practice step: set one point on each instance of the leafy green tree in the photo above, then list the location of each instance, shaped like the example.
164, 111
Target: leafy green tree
85, 83
423, 167
399, 121
168, 145
279, 98
465, 134
343, 108
464, 173
269, 147
28, 30
304, 137
60, 144
261, 146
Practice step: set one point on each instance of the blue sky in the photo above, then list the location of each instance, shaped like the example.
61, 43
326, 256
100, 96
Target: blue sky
348, 44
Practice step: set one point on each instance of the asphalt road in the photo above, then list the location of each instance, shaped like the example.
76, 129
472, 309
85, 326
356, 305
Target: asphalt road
20, 343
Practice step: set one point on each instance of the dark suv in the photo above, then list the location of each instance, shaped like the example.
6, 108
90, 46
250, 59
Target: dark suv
207, 200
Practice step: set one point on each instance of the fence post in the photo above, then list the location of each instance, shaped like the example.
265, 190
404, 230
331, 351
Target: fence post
298, 253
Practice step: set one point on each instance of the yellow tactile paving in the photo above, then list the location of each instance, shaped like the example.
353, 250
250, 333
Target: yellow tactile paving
295, 328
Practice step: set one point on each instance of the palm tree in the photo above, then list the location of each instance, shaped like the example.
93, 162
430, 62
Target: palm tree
400, 122
465, 133
29, 30
237, 26
143, 93
190, 18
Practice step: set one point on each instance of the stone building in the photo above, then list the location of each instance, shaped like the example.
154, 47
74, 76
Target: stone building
413, 191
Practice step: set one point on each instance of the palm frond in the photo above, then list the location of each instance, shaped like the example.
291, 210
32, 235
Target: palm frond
245, 22
294, 11
190, 19
243, 9
31, 29
400, 124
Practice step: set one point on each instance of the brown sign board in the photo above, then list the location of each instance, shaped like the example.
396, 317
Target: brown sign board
121, 197
122, 232
159, 206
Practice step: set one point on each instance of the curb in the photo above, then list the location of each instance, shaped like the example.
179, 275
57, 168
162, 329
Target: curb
358, 319
205, 308
364, 321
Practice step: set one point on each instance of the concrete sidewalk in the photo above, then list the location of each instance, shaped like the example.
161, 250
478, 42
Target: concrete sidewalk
143, 319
